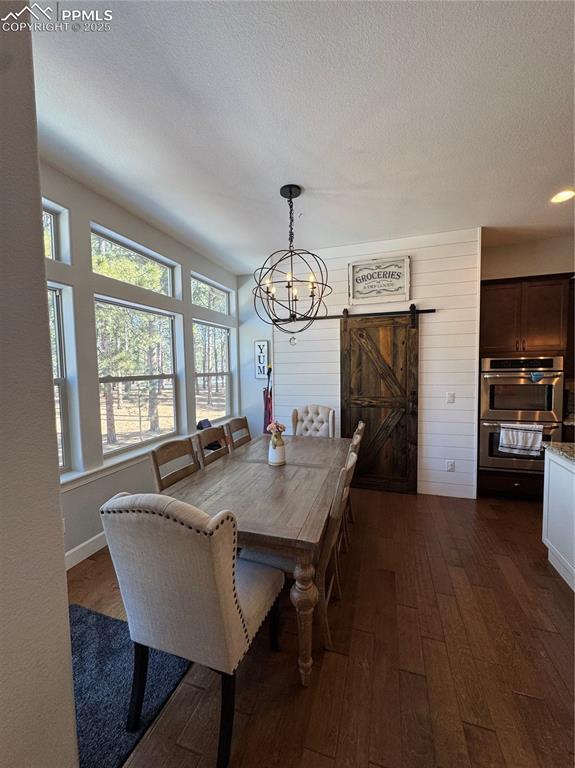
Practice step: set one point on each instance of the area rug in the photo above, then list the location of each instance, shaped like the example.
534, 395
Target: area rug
102, 659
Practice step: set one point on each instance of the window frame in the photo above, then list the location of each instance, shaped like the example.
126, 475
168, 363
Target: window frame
106, 454
60, 231
139, 250
226, 374
61, 381
211, 284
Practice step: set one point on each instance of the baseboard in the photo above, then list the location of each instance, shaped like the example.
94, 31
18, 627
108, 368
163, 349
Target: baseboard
84, 550
563, 568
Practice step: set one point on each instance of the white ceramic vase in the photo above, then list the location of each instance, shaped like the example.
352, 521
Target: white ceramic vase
277, 454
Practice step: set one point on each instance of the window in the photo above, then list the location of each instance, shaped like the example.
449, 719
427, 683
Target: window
136, 370
49, 230
114, 260
58, 373
212, 371
208, 296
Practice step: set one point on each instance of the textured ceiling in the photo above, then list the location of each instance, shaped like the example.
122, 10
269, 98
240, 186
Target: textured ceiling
398, 118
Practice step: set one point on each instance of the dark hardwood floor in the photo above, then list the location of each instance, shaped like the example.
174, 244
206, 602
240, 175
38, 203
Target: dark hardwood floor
453, 647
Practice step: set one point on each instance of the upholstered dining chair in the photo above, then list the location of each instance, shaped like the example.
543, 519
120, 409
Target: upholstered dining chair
313, 421
180, 459
185, 593
327, 575
237, 431
208, 441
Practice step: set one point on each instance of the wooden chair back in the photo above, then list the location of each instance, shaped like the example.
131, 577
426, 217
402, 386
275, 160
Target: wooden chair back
170, 452
233, 426
360, 429
336, 511
355, 444
206, 437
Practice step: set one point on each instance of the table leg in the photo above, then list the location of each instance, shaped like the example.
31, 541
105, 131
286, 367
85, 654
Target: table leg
304, 597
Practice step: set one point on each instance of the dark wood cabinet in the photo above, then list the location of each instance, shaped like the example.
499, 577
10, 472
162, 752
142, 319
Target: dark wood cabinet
544, 315
519, 484
500, 318
527, 315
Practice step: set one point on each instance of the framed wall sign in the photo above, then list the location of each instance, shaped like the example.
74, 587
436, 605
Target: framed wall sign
377, 280
261, 356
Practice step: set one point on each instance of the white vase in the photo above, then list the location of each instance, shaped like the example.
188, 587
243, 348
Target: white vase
277, 455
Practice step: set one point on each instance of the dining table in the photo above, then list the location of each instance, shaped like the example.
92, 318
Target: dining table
278, 509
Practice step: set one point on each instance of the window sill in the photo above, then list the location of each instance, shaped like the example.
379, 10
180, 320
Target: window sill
77, 478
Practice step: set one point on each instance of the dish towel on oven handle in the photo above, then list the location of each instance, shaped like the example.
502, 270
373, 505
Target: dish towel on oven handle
521, 439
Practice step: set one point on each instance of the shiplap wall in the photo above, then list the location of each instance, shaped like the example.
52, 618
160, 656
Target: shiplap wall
444, 275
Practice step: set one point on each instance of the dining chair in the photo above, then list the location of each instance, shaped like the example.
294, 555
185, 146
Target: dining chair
212, 444
313, 421
233, 427
360, 429
348, 516
185, 593
327, 574
172, 455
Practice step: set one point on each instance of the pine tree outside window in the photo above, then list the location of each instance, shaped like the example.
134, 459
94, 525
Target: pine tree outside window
59, 375
210, 296
111, 259
49, 232
212, 371
136, 364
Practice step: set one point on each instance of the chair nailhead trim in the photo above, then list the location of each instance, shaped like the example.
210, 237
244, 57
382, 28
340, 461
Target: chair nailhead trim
160, 514
227, 518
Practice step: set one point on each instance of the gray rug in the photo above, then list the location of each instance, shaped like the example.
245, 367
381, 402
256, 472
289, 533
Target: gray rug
102, 662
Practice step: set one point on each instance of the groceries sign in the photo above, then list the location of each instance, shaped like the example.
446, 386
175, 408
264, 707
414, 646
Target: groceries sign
379, 280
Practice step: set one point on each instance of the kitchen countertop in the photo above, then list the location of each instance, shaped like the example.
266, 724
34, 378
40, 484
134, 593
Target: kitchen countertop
567, 450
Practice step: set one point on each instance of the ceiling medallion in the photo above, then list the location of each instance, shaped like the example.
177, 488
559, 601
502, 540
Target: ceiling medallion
292, 284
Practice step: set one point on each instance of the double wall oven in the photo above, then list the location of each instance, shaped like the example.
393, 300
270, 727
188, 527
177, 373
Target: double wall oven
519, 390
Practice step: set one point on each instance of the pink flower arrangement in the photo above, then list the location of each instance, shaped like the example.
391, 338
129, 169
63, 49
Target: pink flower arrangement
276, 429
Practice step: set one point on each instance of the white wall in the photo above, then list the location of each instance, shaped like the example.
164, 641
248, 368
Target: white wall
37, 719
532, 257
95, 478
445, 276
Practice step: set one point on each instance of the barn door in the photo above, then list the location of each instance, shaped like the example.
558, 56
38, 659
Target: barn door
379, 386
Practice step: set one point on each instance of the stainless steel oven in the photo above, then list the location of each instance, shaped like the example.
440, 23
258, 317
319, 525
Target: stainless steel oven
491, 458
522, 389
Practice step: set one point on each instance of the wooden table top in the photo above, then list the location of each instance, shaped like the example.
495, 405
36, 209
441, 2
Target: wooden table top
285, 506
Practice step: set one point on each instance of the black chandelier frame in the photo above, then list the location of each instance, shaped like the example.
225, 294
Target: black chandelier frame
283, 299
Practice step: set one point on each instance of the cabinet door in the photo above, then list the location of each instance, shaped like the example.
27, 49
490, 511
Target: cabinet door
500, 318
544, 316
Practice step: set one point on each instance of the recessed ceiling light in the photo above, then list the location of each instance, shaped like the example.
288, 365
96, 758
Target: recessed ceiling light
563, 196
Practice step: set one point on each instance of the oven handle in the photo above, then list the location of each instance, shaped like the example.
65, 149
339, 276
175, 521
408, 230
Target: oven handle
522, 375
550, 425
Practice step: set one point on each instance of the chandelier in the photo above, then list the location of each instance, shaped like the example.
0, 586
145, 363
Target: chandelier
292, 284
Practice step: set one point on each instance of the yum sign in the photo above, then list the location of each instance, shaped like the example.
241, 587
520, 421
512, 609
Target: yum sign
379, 280
261, 354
